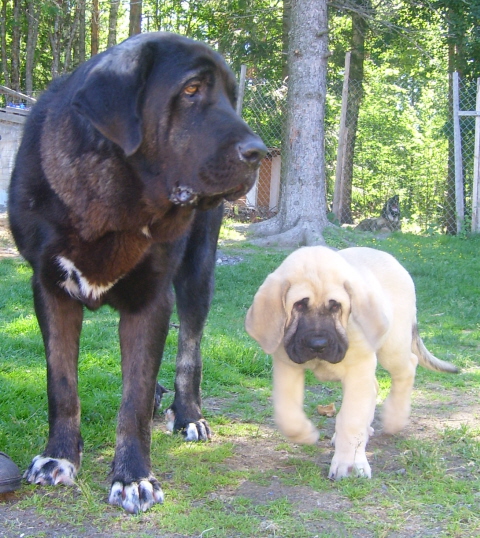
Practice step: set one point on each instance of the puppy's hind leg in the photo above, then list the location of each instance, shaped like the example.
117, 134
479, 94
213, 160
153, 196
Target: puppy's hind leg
396, 408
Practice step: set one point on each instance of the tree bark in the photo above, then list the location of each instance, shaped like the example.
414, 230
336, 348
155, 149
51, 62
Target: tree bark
112, 23
79, 53
303, 216
94, 28
16, 36
135, 17
33, 14
5, 62
355, 96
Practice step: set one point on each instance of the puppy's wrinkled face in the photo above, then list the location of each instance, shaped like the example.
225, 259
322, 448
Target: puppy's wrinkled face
316, 332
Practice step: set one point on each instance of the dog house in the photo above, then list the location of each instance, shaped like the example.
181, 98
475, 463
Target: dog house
11, 128
265, 194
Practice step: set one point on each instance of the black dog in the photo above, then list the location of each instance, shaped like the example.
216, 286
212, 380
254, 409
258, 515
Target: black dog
391, 213
116, 195
388, 221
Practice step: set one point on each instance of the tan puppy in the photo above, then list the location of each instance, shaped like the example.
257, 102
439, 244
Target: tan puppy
336, 313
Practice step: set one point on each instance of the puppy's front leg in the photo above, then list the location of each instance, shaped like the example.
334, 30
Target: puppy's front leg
352, 428
288, 393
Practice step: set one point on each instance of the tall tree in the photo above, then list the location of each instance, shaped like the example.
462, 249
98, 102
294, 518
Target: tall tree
16, 44
3, 27
33, 20
135, 17
95, 28
302, 215
112, 23
342, 202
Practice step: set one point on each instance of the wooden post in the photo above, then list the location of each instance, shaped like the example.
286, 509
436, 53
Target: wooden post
342, 140
241, 88
457, 139
476, 168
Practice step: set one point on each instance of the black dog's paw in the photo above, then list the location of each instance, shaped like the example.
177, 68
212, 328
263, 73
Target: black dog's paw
137, 496
197, 430
50, 471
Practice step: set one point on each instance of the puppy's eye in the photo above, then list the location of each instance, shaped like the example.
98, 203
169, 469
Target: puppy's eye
192, 89
333, 306
301, 306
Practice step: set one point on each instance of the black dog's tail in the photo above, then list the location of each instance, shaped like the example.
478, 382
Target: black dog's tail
427, 359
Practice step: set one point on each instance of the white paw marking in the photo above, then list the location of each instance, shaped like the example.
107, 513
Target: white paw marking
170, 418
50, 472
137, 496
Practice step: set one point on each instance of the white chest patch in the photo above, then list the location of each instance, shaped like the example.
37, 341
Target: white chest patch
75, 283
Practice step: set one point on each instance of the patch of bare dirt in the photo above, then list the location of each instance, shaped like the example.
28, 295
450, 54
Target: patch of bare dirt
7, 246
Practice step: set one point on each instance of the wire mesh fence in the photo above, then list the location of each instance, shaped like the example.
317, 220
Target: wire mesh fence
400, 143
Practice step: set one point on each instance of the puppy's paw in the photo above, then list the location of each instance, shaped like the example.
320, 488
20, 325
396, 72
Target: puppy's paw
50, 471
137, 496
304, 433
395, 416
198, 430
343, 468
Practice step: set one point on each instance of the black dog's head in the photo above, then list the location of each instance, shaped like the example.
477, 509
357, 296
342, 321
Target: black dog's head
391, 209
168, 103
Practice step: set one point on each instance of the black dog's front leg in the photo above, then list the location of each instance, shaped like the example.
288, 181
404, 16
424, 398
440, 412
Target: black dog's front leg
60, 319
194, 284
143, 332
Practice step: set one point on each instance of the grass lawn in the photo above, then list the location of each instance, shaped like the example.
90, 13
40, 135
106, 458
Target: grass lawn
248, 481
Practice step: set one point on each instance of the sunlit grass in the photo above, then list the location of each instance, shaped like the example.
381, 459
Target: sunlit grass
434, 483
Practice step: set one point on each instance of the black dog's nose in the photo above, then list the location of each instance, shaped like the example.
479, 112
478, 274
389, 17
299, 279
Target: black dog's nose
252, 150
318, 344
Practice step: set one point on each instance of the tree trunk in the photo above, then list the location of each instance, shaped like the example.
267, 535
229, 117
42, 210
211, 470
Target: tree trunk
79, 53
33, 14
94, 28
112, 23
16, 36
355, 95
135, 17
6, 71
286, 23
55, 44
303, 216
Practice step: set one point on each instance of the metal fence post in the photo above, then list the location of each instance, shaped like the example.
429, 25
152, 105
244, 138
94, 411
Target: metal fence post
241, 88
457, 140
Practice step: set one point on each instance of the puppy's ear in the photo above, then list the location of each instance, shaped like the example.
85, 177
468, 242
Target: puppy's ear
368, 310
266, 317
112, 93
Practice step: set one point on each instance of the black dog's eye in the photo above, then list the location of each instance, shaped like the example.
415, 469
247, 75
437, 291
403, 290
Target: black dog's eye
333, 306
192, 89
301, 306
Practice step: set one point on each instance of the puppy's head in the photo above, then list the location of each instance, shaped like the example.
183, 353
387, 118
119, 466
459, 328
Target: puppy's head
306, 306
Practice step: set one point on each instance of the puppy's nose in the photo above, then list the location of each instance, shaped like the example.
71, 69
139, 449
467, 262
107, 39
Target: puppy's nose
318, 344
252, 150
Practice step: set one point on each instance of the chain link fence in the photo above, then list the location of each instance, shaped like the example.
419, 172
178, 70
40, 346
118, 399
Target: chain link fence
400, 142
402, 145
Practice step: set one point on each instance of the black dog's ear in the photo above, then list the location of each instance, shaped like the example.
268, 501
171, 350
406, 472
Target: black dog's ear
112, 94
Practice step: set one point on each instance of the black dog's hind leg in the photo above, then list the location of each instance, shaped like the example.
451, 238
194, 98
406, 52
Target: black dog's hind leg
194, 283
60, 319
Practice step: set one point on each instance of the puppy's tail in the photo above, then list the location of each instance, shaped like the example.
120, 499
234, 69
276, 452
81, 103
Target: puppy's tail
426, 359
